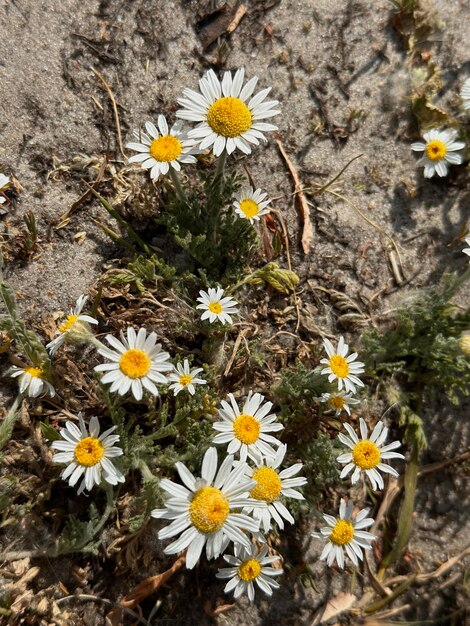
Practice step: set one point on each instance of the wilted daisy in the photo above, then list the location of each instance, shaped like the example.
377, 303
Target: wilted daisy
206, 509
215, 306
88, 454
339, 401
76, 327
251, 204
158, 151
4, 181
248, 567
367, 454
341, 366
229, 116
137, 362
439, 149
246, 431
345, 533
465, 94
271, 484
467, 250
183, 377
32, 382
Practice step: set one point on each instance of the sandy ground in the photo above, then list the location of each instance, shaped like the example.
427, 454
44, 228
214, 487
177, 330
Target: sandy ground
327, 61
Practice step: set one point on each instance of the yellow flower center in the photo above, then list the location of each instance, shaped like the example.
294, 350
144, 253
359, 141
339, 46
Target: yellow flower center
209, 509
249, 570
166, 148
215, 307
464, 344
89, 451
269, 484
135, 363
249, 207
246, 428
35, 372
436, 150
229, 117
185, 380
339, 366
342, 532
337, 402
366, 455
69, 322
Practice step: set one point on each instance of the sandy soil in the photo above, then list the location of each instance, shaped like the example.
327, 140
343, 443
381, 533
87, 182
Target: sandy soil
328, 62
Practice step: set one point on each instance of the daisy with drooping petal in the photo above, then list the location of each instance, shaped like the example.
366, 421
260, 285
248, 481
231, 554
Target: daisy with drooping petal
367, 454
440, 150
206, 510
4, 181
467, 250
271, 484
339, 401
246, 431
88, 454
76, 327
345, 533
465, 94
137, 362
341, 366
215, 306
229, 116
32, 382
251, 205
248, 567
158, 151
183, 377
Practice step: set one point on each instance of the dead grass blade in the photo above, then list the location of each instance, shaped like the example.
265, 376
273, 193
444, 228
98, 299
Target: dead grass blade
115, 111
334, 607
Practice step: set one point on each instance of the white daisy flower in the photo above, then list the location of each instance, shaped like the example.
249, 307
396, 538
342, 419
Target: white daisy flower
4, 181
271, 484
439, 149
88, 454
248, 567
32, 382
339, 401
251, 205
246, 431
341, 367
183, 377
465, 94
467, 250
345, 532
158, 151
216, 307
206, 509
229, 116
367, 454
137, 362
76, 327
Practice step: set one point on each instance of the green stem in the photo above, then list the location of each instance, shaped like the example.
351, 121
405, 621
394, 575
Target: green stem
177, 184
219, 172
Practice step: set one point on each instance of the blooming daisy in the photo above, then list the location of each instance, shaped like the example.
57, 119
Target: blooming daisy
367, 454
206, 509
339, 401
216, 307
439, 149
76, 327
158, 152
4, 181
229, 117
136, 362
246, 430
345, 532
465, 94
249, 566
271, 484
183, 377
467, 250
341, 367
32, 382
251, 204
88, 454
